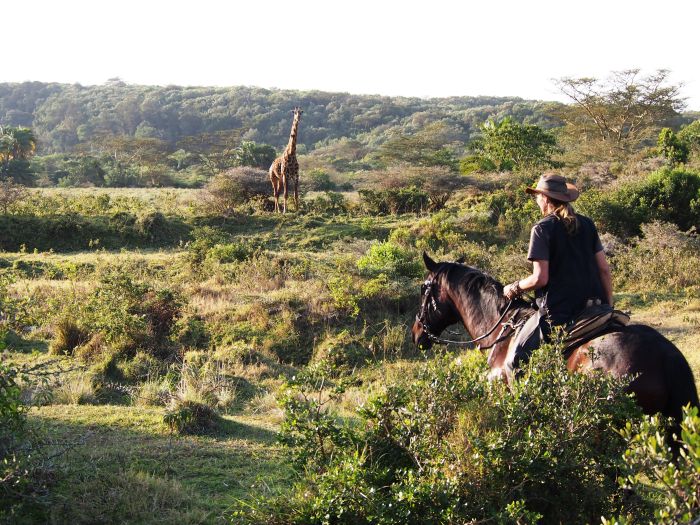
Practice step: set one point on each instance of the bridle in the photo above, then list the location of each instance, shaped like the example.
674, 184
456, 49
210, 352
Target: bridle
429, 302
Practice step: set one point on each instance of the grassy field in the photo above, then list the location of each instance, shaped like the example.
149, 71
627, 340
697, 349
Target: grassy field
274, 294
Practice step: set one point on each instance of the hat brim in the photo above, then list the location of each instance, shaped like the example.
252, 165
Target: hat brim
570, 196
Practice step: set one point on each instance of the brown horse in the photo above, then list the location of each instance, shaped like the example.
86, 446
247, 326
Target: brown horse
453, 292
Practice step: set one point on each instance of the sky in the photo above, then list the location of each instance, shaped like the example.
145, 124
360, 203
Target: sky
429, 48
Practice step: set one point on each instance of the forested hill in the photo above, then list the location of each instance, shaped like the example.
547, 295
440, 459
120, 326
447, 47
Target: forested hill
63, 115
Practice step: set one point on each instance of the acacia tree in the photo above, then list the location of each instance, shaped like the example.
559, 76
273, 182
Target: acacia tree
431, 146
619, 114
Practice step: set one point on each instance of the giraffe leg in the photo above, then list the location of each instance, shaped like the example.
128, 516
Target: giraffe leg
275, 194
285, 196
296, 194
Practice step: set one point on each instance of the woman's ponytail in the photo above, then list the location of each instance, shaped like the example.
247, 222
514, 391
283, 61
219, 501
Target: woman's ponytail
565, 212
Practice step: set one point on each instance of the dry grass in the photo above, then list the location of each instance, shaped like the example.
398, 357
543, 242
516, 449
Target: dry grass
679, 321
75, 391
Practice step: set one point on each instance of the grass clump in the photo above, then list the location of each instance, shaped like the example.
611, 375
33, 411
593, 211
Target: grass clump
68, 336
191, 417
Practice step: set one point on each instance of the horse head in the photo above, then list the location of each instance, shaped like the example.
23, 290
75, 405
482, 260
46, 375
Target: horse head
436, 310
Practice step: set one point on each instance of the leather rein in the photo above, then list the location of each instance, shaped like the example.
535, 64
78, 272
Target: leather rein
429, 301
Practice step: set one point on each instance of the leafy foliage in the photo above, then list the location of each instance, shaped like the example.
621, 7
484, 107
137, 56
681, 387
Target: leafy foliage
391, 259
470, 450
669, 195
509, 146
394, 201
671, 147
671, 484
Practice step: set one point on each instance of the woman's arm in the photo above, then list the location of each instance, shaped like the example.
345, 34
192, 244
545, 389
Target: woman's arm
538, 279
605, 275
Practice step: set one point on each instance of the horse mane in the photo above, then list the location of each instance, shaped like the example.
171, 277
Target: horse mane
475, 288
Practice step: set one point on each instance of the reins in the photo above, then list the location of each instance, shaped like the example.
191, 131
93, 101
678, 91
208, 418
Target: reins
500, 337
422, 318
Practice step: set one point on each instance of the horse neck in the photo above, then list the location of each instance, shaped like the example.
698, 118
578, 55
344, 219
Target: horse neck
478, 312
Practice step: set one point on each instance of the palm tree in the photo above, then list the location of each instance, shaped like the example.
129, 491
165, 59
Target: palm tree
17, 145
24, 142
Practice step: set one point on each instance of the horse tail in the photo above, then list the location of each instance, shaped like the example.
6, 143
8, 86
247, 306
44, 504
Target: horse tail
681, 383
682, 392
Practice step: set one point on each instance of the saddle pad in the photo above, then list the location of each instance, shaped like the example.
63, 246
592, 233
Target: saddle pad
594, 320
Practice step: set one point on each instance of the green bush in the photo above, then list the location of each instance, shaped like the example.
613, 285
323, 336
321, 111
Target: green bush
229, 189
391, 259
13, 453
394, 201
343, 351
671, 485
319, 180
446, 446
668, 195
132, 315
329, 203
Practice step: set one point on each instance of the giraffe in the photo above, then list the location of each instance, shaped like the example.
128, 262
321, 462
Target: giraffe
285, 168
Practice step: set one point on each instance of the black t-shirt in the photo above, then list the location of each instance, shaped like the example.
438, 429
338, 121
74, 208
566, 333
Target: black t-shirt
573, 273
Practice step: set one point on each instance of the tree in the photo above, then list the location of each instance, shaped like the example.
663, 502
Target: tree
214, 150
254, 155
690, 135
432, 146
509, 146
17, 146
619, 114
672, 147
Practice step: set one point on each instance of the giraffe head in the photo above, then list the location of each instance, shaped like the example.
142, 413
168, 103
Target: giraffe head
297, 113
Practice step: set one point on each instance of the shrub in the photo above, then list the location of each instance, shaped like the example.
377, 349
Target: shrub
192, 332
668, 195
13, 433
394, 201
343, 351
132, 315
228, 190
230, 252
446, 446
433, 233
153, 226
391, 259
319, 180
142, 367
313, 432
330, 202
671, 485
343, 295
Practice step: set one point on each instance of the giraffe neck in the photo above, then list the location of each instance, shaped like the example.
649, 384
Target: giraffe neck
291, 148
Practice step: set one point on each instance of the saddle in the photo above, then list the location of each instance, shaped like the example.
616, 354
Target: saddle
595, 320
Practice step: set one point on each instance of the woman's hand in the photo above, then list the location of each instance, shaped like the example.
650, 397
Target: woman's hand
512, 291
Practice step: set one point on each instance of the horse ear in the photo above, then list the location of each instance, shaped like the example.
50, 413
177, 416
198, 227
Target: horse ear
429, 263
460, 260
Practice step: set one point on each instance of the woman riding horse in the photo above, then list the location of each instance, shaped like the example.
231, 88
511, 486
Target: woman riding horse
569, 267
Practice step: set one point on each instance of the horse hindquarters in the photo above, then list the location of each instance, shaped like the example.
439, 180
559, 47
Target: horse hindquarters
664, 381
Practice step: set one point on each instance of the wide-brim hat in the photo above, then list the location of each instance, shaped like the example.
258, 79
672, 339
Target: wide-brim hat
556, 187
